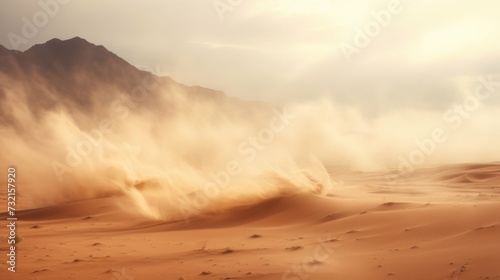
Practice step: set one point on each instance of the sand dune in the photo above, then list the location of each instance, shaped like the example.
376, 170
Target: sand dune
362, 231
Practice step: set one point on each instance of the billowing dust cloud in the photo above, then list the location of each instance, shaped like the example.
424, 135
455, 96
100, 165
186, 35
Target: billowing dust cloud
169, 152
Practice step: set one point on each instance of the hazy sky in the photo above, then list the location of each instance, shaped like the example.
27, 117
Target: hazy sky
420, 54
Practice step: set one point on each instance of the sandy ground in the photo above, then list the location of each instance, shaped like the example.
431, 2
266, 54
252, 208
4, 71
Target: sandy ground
438, 223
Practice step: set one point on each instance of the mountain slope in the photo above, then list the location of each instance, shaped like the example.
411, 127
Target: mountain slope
79, 77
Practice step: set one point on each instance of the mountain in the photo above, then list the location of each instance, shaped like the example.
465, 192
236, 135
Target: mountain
81, 78
3, 50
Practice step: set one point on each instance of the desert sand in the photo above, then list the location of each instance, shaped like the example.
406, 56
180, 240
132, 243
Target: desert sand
439, 222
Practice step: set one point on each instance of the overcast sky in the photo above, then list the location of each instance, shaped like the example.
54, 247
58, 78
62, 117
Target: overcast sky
421, 54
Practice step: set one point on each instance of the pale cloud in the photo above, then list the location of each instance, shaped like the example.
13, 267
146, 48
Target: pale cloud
212, 45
